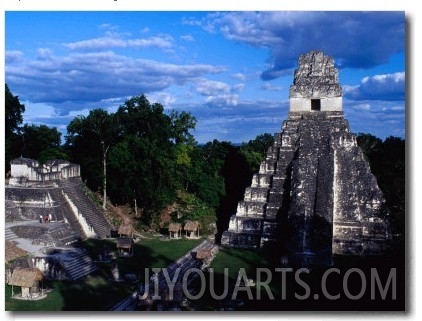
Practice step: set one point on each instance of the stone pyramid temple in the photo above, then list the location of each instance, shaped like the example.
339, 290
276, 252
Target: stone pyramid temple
314, 195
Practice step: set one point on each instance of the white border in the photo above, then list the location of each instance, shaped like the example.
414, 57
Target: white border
409, 6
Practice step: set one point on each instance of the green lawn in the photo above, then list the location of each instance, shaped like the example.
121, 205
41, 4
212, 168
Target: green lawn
54, 302
92, 294
148, 253
233, 259
288, 292
97, 292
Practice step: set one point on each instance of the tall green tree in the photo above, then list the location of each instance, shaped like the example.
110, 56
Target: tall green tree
181, 124
370, 145
41, 142
85, 150
13, 121
92, 136
184, 145
136, 152
256, 150
147, 141
205, 176
260, 144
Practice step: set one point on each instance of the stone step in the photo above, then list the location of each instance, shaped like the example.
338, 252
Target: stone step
246, 240
9, 235
258, 194
271, 212
85, 271
278, 181
275, 196
89, 210
80, 266
270, 228
268, 167
261, 180
251, 208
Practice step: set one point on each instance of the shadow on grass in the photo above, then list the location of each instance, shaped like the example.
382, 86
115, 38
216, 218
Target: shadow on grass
99, 291
351, 284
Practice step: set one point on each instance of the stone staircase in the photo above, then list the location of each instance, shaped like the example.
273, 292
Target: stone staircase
66, 214
53, 244
64, 263
255, 223
257, 218
79, 266
9, 235
90, 211
61, 235
23, 203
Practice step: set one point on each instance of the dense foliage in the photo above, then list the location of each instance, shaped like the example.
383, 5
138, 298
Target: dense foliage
13, 121
146, 157
153, 160
387, 161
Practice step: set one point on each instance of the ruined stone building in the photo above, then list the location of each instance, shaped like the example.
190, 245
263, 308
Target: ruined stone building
47, 211
314, 195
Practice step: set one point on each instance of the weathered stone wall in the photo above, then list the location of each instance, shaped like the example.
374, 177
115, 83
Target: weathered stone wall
314, 194
25, 170
358, 200
315, 78
310, 210
27, 199
315, 175
327, 104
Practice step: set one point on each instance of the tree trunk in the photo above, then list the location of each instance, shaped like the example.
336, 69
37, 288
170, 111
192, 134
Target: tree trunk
105, 177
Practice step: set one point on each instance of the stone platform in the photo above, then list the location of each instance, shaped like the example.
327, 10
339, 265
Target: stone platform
314, 194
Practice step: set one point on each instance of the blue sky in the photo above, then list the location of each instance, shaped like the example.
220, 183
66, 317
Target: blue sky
232, 69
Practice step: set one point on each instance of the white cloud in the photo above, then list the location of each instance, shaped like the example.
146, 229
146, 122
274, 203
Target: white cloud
219, 94
13, 56
209, 87
44, 53
108, 27
362, 107
93, 76
239, 76
380, 118
222, 100
378, 87
163, 98
187, 38
116, 40
255, 118
343, 35
238, 87
269, 87
34, 110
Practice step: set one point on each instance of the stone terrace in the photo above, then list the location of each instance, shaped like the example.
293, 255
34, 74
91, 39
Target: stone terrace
50, 246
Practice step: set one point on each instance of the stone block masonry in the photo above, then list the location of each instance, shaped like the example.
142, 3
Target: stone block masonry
53, 188
314, 195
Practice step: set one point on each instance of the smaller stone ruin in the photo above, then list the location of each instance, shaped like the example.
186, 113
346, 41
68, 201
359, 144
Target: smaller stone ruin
26, 171
48, 211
